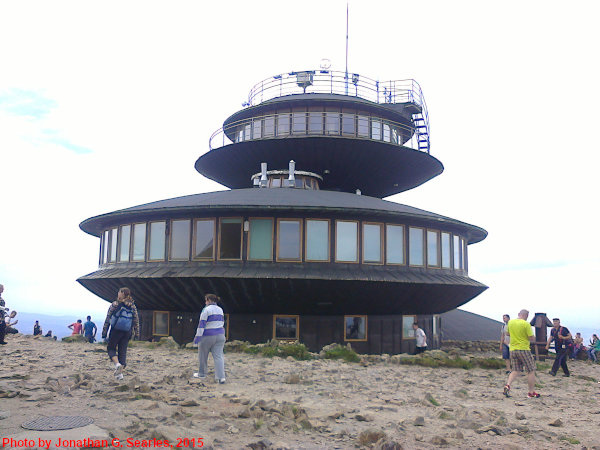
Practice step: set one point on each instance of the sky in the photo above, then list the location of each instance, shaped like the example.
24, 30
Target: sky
107, 105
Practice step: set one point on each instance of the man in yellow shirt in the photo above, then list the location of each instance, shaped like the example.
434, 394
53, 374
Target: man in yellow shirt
521, 337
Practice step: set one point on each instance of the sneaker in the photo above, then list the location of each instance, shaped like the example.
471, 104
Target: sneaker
508, 372
197, 375
3, 343
533, 395
507, 390
566, 374
119, 376
118, 369
552, 373
222, 381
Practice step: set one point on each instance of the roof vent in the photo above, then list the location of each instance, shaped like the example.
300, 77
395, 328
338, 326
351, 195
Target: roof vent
358, 192
291, 181
263, 175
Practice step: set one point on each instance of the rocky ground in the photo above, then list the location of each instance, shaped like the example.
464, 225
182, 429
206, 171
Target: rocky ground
284, 403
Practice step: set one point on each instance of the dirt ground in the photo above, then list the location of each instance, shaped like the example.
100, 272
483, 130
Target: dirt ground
288, 404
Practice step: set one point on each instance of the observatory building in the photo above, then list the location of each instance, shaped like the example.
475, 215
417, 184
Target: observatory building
301, 246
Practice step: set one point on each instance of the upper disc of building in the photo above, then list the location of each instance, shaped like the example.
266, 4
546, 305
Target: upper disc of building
354, 132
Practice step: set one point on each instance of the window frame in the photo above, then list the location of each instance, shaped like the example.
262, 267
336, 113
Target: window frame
366, 339
423, 247
154, 314
300, 235
447, 233
438, 264
133, 242
149, 238
241, 239
404, 256
381, 244
357, 242
194, 233
189, 221
120, 243
328, 240
113, 235
414, 319
249, 219
295, 316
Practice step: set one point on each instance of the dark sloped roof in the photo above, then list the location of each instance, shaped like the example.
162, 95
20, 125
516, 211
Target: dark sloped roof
465, 326
278, 199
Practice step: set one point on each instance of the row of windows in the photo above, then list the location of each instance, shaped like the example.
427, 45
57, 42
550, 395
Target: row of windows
294, 240
287, 327
316, 121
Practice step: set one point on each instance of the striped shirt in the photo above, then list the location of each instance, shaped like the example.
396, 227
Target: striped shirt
211, 322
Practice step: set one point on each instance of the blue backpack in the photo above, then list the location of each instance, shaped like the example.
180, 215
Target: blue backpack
122, 320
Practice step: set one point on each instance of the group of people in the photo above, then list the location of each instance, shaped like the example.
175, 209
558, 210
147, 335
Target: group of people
87, 329
122, 324
515, 344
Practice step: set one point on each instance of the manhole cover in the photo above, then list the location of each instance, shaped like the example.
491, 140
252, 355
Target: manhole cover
57, 423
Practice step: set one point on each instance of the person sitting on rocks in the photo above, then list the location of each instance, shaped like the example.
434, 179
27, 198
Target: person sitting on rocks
577, 345
3, 310
9, 325
594, 347
37, 328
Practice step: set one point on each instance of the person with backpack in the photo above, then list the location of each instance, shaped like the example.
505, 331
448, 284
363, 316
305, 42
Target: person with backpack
562, 339
122, 317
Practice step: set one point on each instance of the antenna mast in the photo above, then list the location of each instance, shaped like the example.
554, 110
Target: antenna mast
346, 78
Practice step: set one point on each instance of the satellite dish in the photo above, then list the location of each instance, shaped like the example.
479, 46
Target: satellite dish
325, 64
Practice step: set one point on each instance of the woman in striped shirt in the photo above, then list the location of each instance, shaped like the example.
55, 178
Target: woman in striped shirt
210, 338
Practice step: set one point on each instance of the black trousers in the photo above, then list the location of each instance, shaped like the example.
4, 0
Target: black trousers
562, 354
2, 329
117, 345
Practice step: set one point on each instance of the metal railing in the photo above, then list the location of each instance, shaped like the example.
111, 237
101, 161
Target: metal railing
298, 124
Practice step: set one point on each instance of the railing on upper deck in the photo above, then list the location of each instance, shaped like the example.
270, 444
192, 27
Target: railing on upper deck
349, 125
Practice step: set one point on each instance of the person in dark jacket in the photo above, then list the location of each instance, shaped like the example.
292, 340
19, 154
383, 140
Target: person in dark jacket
118, 339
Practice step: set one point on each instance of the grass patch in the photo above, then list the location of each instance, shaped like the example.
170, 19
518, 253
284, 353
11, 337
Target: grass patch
570, 440
258, 423
432, 400
341, 352
540, 367
296, 350
586, 378
489, 363
427, 361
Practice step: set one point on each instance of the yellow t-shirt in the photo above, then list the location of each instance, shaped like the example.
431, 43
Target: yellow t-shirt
519, 331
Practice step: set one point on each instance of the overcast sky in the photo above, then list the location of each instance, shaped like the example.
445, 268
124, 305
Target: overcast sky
106, 105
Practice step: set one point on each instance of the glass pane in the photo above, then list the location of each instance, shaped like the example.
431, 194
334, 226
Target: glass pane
299, 122
113, 245
356, 327
372, 243
247, 132
315, 122
261, 239
415, 246
348, 126
269, 126
124, 244
289, 240
180, 239
432, 248
363, 126
407, 326
446, 250
256, 129
139, 241
317, 240
231, 239
286, 327
205, 238
463, 260
386, 132
105, 247
276, 182
283, 124
456, 260
375, 129
394, 135
394, 244
346, 242
332, 122
157, 241
161, 323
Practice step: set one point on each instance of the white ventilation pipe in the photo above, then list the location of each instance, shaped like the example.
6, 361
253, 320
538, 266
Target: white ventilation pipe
292, 170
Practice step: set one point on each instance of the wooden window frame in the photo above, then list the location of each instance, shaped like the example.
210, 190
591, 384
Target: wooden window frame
423, 249
112, 235
455, 264
194, 233
149, 238
133, 240
190, 222
241, 239
298, 110
226, 317
328, 240
249, 237
449, 250
315, 110
404, 255
435, 330
381, 244
120, 243
279, 113
438, 246
296, 316
463, 244
413, 321
154, 323
290, 219
357, 242
366, 328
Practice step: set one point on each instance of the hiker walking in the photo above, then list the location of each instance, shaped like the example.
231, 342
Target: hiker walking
122, 317
562, 338
210, 338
